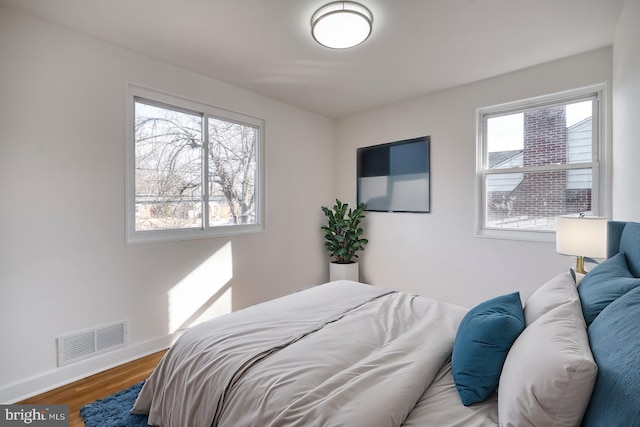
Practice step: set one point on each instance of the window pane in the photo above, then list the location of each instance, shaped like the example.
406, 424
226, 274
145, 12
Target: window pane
538, 161
168, 168
579, 132
532, 200
505, 141
541, 137
232, 173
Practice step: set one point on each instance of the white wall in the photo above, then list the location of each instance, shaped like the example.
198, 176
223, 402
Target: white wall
626, 107
64, 265
436, 254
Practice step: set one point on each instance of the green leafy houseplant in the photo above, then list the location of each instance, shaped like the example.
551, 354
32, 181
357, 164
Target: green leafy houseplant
343, 234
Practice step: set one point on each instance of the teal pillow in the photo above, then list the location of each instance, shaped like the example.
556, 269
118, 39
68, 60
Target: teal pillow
615, 339
482, 342
630, 246
604, 284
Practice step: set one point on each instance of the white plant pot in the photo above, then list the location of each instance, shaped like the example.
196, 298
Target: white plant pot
343, 271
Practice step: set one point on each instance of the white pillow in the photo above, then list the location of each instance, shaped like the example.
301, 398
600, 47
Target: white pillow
549, 373
557, 291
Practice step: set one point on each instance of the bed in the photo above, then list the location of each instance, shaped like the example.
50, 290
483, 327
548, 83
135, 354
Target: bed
348, 354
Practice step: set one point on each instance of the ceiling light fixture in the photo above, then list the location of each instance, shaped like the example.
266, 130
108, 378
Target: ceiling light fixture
341, 24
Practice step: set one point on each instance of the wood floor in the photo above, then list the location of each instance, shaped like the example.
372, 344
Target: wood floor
97, 386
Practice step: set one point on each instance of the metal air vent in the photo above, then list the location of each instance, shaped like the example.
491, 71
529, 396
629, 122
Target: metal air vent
82, 345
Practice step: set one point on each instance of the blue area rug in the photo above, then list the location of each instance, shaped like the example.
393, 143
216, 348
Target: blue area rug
113, 411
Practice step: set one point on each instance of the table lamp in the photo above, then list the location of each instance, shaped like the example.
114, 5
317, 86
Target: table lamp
581, 236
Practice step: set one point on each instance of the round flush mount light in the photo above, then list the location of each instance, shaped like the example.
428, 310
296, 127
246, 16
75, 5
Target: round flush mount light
341, 24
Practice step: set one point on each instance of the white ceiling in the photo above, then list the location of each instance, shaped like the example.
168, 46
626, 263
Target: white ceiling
417, 46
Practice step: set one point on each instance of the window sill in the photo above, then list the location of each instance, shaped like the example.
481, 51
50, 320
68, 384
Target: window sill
141, 237
527, 236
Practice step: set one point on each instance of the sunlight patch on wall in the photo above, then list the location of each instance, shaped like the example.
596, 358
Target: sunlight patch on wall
204, 293
221, 305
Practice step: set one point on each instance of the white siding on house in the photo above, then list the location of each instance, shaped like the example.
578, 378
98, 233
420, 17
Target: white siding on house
507, 181
577, 179
503, 182
579, 148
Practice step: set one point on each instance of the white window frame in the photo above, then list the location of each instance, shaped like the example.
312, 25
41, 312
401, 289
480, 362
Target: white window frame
598, 165
134, 236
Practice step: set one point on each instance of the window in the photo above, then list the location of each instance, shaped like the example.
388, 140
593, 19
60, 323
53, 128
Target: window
538, 159
193, 170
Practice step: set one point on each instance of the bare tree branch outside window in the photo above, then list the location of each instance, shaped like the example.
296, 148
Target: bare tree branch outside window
170, 150
232, 168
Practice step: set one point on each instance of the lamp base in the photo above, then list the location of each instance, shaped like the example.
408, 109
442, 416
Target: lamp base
580, 265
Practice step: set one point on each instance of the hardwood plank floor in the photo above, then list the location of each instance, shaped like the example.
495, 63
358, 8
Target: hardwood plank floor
98, 386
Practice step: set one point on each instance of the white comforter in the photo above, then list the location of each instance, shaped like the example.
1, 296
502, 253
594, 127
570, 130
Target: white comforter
339, 354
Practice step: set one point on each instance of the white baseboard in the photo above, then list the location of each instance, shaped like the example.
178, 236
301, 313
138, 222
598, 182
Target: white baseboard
58, 377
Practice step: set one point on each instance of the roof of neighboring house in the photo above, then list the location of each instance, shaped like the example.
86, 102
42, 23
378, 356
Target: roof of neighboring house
580, 123
498, 157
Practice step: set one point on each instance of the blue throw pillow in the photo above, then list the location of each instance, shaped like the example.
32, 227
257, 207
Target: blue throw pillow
615, 339
630, 246
604, 284
482, 342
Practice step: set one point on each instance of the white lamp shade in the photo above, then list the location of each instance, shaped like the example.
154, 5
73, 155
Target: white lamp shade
341, 24
582, 236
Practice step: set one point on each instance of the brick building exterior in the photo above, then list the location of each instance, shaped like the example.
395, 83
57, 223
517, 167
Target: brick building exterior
539, 196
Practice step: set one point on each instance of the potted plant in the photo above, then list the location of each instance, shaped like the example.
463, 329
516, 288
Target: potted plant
343, 239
